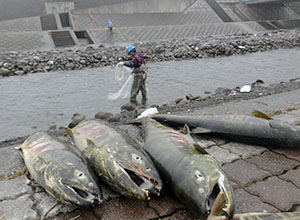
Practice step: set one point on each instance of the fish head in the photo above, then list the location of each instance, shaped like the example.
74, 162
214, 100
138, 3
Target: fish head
73, 183
135, 174
200, 181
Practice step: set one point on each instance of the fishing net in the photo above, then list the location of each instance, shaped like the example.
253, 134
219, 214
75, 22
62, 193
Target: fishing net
120, 72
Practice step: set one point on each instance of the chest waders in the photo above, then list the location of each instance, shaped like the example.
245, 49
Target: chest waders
139, 84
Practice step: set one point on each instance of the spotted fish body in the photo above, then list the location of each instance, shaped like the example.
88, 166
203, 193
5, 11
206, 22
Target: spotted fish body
59, 171
196, 178
114, 157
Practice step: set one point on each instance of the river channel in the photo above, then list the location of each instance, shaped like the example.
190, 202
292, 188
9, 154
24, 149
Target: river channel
37, 101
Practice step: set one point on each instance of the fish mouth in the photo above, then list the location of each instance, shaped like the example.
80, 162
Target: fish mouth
218, 202
146, 183
84, 195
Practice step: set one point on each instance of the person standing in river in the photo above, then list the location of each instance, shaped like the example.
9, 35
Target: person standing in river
138, 64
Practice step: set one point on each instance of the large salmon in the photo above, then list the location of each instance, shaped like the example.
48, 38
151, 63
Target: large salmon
194, 176
243, 128
59, 171
114, 157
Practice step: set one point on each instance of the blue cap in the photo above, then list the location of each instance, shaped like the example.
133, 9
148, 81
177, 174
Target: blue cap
129, 49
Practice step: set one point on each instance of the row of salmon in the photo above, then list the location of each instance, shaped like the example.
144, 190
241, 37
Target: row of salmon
120, 161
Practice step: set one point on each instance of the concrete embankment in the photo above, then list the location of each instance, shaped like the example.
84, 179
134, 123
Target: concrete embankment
69, 59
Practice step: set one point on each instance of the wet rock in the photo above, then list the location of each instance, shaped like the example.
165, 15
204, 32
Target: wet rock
104, 115
128, 107
191, 97
19, 72
4, 72
220, 90
76, 118
70, 66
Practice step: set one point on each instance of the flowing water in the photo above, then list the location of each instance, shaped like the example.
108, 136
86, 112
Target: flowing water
37, 101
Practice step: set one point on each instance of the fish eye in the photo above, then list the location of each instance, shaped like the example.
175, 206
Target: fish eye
80, 175
199, 176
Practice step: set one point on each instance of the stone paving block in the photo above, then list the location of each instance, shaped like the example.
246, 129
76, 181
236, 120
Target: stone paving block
245, 202
219, 141
221, 155
127, 209
273, 163
11, 189
244, 173
288, 118
279, 193
165, 205
289, 153
180, 215
204, 142
20, 208
10, 161
243, 150
45, 202
292, 176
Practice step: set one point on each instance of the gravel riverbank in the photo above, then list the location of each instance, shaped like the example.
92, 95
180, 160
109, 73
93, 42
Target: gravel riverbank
20, 63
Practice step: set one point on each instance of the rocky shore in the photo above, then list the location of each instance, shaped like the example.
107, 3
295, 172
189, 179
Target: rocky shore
20, 63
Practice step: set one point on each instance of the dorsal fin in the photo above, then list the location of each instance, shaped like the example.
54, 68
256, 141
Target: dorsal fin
185, 129
262, 115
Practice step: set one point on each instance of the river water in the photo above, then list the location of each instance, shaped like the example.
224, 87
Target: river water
37, 101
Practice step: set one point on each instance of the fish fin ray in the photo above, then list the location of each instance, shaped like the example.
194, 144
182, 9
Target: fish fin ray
259, 114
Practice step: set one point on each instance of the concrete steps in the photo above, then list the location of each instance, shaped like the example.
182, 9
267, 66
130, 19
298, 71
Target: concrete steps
62, 38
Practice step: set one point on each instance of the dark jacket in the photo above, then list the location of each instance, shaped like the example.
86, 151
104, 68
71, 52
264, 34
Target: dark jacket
136, 61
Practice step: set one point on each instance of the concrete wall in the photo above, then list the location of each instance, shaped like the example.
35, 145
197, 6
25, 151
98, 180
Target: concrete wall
10, 9
58, 7
146, 6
